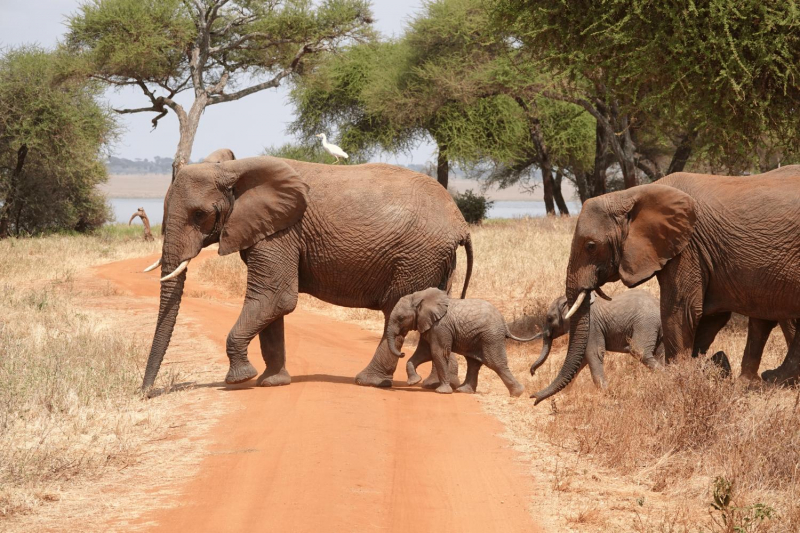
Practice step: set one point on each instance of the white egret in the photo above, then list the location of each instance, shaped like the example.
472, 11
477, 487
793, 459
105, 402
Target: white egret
332, 149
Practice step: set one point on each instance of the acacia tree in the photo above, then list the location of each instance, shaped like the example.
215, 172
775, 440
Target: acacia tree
447, 79
53, 139
219, 50
666, 80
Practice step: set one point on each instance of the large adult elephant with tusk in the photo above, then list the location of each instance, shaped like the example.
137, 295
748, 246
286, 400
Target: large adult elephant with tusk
355, 236
716, 244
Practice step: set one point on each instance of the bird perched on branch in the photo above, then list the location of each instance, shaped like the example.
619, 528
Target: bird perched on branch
332, 149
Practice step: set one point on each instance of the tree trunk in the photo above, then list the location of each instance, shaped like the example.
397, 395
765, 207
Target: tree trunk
682, 153
627, 155
188, 130
581, 184
11, 197
548, 185
442, 166
562, 205
596, 181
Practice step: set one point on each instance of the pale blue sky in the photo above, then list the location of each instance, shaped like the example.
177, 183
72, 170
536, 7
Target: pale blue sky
246, 126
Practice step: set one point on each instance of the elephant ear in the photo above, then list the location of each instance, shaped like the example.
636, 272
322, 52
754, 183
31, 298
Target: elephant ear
660, 222
219, 156
269, 196
431, 307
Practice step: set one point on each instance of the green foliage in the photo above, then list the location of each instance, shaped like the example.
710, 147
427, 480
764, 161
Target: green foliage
726, 71
312, 153
220, 50
447, 78
730, 518
144, 39
474, 207
45, 107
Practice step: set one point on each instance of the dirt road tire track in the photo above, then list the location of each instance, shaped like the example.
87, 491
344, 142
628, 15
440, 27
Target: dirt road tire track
326, 455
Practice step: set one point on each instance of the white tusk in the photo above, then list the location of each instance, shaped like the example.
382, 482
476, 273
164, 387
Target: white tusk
576, 305
153, 266
177, 271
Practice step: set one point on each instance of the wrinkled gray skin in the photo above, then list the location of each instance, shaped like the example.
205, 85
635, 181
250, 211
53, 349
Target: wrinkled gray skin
355, 236
630, 323
472, 328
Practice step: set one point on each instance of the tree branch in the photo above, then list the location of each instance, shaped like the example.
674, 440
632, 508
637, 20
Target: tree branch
270, 84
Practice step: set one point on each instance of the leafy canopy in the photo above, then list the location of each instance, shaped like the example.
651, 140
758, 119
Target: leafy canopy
56, 116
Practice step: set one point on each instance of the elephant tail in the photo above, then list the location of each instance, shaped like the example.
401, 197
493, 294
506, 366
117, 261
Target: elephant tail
510, 335
467, 243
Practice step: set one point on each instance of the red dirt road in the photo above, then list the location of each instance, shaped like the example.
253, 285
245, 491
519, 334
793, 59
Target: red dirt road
325, 455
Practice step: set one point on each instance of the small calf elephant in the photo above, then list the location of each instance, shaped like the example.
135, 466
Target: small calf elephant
631, 321
470, 327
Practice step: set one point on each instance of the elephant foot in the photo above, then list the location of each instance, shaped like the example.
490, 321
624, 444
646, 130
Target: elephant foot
466, 388
444, 388
431, 382
749, 379
373, 379
777, 377
516, 391
240, 373
721, 360
274, 379
414, 379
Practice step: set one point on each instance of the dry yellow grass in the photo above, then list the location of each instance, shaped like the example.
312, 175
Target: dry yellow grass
643, 456
68, 376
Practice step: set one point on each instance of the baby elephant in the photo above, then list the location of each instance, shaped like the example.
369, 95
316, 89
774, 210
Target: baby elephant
473, 328
631, 320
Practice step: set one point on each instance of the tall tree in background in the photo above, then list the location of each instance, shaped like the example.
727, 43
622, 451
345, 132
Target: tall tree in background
447, 79
219, 50
667, 80
53, 139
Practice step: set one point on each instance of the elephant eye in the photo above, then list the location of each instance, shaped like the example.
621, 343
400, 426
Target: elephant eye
591, 246
199, 215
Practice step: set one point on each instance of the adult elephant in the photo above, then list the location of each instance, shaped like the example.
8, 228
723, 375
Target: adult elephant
355, 236
716, 244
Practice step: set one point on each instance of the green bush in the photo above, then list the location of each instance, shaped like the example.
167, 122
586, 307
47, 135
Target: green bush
473, 207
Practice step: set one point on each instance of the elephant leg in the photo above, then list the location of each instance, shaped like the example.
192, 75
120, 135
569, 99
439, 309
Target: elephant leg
432, 381
646, 342
594, 358
496, 359
272, 285
788, 373
707, 331
273, 350
380, 371
421, 355
470, 384
441, 355
758, 332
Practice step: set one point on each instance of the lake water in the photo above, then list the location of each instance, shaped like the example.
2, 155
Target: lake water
154, 207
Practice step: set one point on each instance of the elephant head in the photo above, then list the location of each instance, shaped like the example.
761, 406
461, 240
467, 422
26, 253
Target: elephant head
234, 202
555, 325
419, 311
629, 236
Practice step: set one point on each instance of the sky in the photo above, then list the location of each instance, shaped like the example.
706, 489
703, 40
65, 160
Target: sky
246, 126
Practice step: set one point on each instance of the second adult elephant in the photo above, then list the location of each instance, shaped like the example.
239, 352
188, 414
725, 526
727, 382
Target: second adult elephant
355, 236
716, 244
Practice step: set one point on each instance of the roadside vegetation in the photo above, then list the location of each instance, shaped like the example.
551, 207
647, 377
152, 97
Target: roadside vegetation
650, 453
69, 405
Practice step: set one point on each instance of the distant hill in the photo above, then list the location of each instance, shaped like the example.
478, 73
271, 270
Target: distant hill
120, 165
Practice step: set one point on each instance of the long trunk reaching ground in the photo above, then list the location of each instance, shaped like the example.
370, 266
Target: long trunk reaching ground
170, 302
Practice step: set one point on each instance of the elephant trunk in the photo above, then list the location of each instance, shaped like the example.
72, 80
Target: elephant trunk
170, 302
547, 343
578, 338
392, 331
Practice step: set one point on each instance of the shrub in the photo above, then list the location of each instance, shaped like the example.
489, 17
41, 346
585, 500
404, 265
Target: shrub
473, 207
